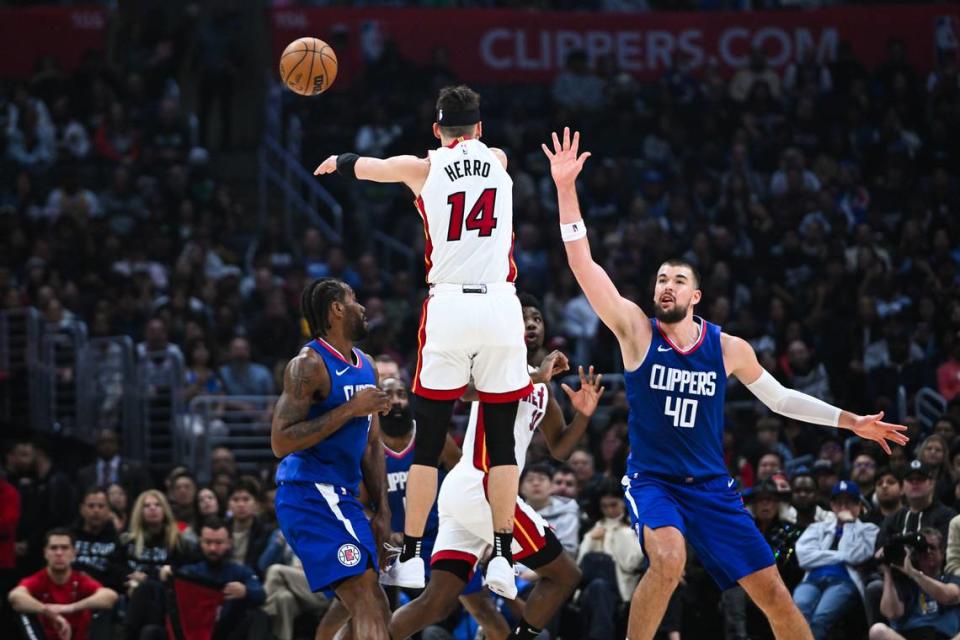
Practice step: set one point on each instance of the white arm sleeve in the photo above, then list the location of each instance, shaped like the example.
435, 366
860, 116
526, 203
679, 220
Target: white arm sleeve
793, 404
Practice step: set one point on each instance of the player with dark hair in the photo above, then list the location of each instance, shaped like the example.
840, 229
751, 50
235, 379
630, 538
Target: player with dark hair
326, 429
466, 526
676, 367
471, 324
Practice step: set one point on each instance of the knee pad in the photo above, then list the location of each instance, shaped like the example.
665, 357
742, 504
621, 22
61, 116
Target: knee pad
432, 418
498, 420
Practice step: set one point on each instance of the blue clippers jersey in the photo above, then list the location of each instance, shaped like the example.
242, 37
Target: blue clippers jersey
398, 465
335, 460
676, 407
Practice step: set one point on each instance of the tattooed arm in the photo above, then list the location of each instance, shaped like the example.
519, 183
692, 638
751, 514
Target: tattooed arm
307, 378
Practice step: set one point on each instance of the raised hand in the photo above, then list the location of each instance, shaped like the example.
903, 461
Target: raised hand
327, 166
555, 362
872, 428
565, 163
586, 399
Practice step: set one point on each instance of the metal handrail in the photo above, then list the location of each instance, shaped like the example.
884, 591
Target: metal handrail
281, 167
241, 423
928, 405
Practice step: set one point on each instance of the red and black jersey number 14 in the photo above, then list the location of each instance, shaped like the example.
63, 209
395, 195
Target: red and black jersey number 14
479, 219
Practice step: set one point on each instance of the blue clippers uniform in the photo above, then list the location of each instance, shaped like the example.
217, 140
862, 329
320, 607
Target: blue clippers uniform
316, 502
676, 476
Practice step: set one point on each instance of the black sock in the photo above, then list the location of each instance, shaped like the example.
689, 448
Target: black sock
525, 631
411, 547
501, 545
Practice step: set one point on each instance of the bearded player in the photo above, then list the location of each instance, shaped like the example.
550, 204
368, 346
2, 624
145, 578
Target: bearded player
325, 428
676, 367
470, 325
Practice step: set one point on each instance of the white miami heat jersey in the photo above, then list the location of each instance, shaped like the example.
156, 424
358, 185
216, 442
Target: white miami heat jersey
467, 209
530, 412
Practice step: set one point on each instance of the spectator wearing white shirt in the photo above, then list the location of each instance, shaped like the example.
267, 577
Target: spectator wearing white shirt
831, 553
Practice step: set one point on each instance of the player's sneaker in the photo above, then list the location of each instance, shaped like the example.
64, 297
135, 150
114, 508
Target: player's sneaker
501, 578
407, 574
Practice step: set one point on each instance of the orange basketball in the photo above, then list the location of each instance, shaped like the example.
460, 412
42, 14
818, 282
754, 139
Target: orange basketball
308, 66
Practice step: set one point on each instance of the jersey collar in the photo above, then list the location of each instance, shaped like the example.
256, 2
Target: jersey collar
703, 334
457, 141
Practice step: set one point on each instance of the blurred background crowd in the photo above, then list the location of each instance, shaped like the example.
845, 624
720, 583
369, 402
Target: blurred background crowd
149, 301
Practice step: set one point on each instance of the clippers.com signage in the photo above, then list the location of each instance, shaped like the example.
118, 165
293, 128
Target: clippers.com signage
487, 46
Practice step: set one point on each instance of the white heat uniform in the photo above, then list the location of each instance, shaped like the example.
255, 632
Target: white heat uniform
471, 323
466, 522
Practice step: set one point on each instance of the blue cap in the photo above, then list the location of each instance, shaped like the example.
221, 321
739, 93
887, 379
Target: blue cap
847, 487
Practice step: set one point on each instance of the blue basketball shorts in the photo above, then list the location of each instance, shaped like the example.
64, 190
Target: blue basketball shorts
327, 529
711, 516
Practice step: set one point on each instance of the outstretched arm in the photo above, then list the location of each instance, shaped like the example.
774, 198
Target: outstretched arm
623, 317
410, 170
740, 360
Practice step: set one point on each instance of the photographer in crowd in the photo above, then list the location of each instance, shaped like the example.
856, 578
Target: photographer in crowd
924, 606
921, 510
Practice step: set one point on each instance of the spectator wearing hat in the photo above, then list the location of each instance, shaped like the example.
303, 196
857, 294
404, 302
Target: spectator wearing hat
922, 509
924, 604
830, 552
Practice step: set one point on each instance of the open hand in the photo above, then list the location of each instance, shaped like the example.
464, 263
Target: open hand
565, 164
327, 166
586, 399
872, 428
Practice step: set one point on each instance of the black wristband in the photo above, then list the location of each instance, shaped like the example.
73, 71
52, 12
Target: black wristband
346, 164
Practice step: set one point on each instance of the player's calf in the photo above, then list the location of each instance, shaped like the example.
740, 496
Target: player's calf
367, 604
499, 419
438, 600
766, 589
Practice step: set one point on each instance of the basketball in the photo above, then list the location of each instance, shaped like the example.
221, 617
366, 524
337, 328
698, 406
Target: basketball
308, 66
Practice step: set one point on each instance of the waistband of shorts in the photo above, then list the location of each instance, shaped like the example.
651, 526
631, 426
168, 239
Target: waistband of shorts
687, 480
492, 287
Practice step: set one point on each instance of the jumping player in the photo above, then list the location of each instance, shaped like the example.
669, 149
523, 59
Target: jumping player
465, 523
470, 324
326, 429
677, 485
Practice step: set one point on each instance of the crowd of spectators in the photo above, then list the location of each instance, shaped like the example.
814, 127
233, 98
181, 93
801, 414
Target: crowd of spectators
821, 204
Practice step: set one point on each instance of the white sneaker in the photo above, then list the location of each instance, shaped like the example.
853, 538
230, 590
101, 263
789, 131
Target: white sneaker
501, 578
407, 574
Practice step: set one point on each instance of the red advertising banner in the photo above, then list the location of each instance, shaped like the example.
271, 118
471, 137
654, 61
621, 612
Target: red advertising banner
62, 32
508, 46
